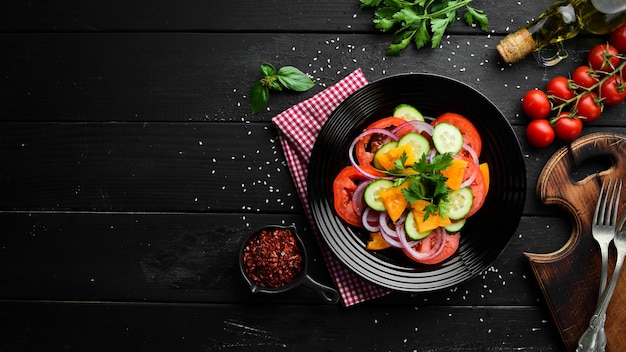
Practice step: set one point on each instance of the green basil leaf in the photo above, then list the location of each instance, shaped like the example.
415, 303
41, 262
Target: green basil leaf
294, 79
259, 96
277, 86
267, 69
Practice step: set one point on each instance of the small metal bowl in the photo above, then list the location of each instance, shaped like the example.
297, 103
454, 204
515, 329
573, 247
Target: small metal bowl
329, 294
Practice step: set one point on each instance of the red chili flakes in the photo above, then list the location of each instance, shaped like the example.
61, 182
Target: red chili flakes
272, 258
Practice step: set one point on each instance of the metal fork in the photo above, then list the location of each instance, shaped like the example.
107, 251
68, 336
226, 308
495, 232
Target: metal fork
603, 225
603, 230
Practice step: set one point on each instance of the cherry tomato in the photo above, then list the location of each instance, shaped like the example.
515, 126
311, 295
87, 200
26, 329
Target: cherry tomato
468, 130
567, 127
450, 247
540, 133
584, 76
589, 107
367, 146
558, 89
603, 57
344, 186
613, 90
617, 38
536, 104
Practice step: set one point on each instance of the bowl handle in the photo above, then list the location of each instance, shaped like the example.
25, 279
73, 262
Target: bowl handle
329, 294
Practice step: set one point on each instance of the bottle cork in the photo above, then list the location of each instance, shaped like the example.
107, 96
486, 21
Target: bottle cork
516, 46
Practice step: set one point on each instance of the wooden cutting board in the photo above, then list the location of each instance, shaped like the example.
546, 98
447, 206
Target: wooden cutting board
569, 278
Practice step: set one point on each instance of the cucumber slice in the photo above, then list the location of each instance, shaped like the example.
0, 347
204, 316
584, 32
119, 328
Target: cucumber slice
408, 112
447, 138
460, 203
383, 149
371, 193
411, 230
418, 142
455, 226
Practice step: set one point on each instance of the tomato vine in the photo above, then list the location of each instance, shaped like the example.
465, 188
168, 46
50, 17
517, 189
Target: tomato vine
580, 98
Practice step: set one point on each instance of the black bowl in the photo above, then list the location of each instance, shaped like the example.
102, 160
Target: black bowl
486, 233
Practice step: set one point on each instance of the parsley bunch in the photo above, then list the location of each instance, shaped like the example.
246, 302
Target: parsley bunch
421, 21
430, 183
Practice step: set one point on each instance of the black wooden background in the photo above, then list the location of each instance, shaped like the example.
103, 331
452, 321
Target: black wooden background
131, 168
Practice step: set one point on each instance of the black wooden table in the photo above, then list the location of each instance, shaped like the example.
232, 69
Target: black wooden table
131, 169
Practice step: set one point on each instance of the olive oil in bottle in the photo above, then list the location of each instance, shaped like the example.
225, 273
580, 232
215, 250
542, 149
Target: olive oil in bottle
563, 20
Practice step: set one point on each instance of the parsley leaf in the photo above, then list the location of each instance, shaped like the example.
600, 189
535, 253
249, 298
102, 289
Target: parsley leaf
371, 3
439, 25
414, 192
422, 36
479, 16
400, 43
420, 21
399, 163
430, 184
439, 163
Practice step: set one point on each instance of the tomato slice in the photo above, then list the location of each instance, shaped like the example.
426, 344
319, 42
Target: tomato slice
478, 188
450, 247
387, 122
365, 148
344, 186
468, 130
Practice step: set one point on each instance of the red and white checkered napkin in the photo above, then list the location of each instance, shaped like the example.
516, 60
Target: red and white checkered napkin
298, 128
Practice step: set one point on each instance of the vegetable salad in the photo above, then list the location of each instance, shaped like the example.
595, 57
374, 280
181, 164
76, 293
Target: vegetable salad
412, 184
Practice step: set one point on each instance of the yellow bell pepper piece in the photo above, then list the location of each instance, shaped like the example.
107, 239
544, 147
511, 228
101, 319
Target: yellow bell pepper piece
434, 220
394, 201
377, 242
484, 168
455, 173
387, 160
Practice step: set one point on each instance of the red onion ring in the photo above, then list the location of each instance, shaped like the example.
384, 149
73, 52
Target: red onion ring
389, 235
468, 182
472, 152
357, 198
369, 220
383, 222
440, 234
390, 240
402, 232
416, 126
431, 155
357, 139
472, 177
